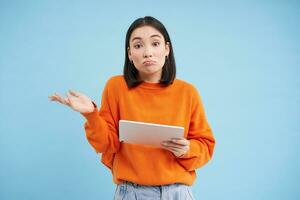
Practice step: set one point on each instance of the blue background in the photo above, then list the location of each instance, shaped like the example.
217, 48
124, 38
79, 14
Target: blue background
243, 56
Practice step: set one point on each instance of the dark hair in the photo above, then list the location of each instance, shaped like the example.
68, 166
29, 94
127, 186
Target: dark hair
169, 68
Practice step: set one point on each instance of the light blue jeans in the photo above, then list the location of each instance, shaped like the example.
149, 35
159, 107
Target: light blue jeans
131, 191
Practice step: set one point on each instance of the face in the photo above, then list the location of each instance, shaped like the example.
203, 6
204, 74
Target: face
148, 50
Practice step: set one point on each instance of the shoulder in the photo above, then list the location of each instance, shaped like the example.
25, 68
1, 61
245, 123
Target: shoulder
117, 79
186, 86
114, 86
191, 92
116, 82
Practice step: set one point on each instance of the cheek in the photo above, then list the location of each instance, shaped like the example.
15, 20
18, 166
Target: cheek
160, 53
136, 55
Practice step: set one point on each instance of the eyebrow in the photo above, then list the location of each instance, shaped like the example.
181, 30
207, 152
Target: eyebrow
139, 38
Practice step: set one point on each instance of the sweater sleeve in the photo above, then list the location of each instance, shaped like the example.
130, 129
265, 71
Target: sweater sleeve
201, 138
101, 126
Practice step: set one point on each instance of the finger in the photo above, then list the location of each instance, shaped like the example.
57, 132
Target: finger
50, 97
60, 99
172, 145
68, 99
181, 141
74, 93
56, 97
53, 98
174, 149
176, 152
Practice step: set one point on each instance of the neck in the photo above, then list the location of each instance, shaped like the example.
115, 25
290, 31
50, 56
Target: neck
153, 78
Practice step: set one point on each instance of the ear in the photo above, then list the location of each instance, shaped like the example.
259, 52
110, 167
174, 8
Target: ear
129, 53
167, 48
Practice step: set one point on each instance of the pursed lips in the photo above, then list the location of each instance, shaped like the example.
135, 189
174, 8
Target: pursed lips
149, 62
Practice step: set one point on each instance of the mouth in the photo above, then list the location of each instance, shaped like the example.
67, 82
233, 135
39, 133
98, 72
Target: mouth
149, 62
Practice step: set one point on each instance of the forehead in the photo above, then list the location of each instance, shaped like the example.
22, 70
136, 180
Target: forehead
145, 32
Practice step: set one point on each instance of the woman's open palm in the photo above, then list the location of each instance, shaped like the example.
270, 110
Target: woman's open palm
75, 100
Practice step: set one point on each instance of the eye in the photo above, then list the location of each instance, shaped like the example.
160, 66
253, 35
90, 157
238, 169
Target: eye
156, 44
137, 46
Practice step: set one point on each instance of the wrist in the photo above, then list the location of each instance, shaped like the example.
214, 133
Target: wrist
92, 109
95, 106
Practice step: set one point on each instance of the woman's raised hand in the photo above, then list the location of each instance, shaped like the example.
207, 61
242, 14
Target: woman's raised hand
75, 100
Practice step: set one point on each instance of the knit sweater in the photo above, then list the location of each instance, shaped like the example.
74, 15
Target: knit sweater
178, 104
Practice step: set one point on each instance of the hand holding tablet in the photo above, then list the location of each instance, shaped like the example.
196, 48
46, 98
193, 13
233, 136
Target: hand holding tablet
148, 133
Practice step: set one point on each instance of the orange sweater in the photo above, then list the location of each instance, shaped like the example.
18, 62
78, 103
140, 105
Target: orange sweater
178, 104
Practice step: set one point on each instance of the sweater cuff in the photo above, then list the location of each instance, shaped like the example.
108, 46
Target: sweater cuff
91, 117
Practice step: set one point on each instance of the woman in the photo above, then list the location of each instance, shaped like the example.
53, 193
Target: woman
148, 92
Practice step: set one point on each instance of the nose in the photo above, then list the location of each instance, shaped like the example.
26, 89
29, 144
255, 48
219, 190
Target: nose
147, 52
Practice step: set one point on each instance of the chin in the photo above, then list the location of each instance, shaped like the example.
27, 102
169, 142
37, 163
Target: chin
152, 71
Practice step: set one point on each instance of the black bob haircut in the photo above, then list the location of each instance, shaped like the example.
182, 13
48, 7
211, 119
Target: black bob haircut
169, 68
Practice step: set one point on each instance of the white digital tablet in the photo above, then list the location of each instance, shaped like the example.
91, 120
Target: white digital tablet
135, 132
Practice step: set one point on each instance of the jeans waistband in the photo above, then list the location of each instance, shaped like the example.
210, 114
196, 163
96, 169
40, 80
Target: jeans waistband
128, 183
